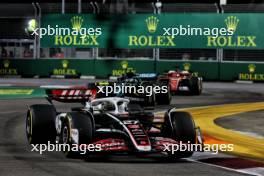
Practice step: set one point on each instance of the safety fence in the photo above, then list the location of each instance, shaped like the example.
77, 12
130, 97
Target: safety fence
103, 68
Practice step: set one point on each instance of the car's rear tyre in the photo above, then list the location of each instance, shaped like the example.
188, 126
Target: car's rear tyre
40, 124
180, 127
196, 86
150, 99
84, 125
164, 98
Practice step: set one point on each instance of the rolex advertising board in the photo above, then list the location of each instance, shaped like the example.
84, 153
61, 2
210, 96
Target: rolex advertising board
64, 69
124, 68
253, 74
102, 68
70, 31
7, 68
192, 30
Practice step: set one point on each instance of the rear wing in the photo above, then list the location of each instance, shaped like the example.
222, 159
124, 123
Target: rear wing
71, 95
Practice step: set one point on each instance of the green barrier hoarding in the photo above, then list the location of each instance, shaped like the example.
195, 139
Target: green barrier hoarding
226, 71
155, 30
241, 71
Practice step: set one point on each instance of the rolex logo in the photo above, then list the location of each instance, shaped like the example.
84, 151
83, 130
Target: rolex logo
6, 63
65, 64
186, 66
231, 23
76, 22
124, 64
251, 68
152, 23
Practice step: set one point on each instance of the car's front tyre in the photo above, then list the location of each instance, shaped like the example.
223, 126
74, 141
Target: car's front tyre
81, 124
180, 127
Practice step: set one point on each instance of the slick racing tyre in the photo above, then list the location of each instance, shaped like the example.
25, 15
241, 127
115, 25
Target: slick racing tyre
77, 128
164, 98
40, 124
180, 127
196, 86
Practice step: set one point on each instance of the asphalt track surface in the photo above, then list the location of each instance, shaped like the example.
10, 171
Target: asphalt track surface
17, 159
256, 129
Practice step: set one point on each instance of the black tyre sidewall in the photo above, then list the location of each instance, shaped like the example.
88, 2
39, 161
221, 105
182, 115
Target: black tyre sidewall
182, 129
42, 124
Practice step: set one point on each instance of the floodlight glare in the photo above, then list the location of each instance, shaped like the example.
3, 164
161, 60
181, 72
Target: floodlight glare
31, 25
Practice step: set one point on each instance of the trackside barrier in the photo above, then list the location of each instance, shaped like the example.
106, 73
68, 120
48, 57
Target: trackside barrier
104, 68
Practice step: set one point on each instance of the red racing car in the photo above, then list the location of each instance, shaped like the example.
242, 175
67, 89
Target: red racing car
183, 81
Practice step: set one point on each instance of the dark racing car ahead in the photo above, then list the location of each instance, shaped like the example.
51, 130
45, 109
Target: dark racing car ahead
145, 98
111, 123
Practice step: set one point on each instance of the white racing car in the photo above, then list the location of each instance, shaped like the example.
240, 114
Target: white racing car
112, 123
